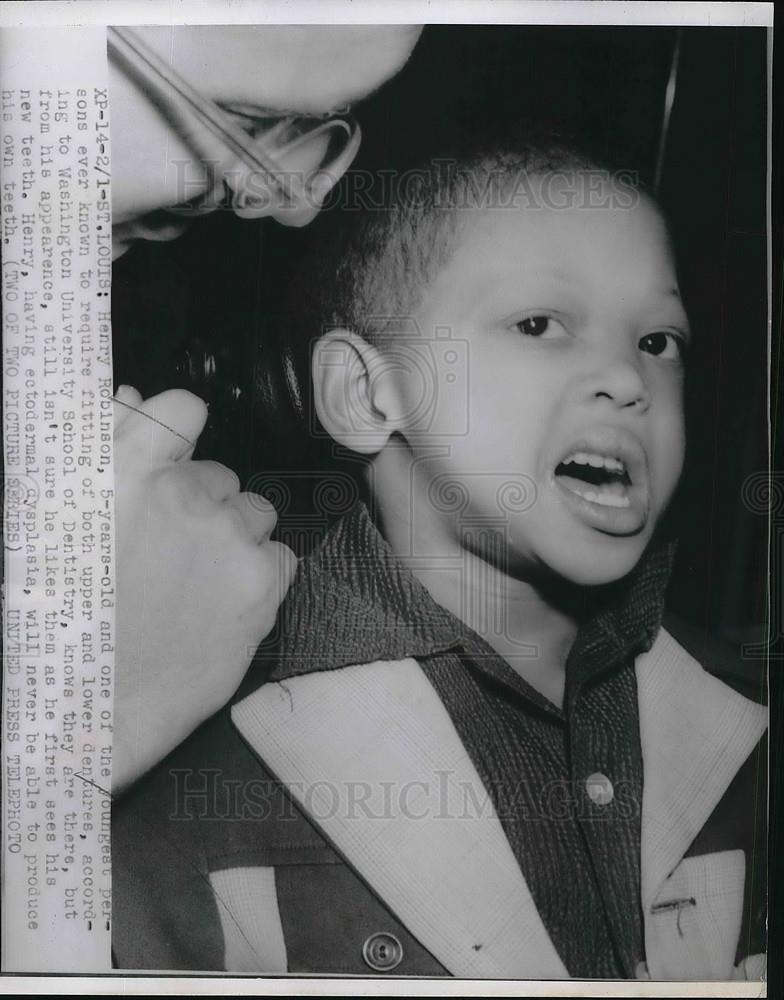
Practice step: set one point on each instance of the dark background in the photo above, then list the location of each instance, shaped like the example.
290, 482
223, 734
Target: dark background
195, 313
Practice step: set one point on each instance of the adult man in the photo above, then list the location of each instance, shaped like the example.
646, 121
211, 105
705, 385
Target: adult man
199, 581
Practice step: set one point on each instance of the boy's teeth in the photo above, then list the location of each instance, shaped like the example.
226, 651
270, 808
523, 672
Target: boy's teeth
607, 495
597, 461
605, 499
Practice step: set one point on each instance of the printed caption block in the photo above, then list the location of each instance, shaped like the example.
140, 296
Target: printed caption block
58, 616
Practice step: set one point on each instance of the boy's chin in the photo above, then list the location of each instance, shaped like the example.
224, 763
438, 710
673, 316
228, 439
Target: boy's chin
603, 564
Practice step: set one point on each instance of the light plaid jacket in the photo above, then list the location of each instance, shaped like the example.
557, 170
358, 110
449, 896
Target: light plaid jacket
210, 875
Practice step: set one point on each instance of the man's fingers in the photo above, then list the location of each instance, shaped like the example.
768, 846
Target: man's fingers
281, 564
126, 401
215, 479
167, 425
286, 563
182, 417
257, 513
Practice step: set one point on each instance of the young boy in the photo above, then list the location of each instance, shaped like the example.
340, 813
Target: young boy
479, 753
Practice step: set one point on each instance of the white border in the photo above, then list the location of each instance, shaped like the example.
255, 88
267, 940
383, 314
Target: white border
43, 13
229, 986
534, 12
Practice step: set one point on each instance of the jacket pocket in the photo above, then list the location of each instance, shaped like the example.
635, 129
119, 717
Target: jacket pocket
693, 925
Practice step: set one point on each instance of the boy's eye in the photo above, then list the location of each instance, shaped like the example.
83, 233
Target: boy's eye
664, 344
540, 325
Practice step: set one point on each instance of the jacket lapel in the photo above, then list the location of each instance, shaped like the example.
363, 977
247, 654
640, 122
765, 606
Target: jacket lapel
695, 732
370, 754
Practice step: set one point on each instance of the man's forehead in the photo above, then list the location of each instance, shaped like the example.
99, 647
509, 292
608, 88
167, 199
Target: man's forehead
302, 68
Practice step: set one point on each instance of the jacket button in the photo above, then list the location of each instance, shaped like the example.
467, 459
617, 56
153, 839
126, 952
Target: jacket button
382, 952
599, 789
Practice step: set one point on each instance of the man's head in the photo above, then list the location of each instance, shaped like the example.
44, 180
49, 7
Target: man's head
251, 71
517, 337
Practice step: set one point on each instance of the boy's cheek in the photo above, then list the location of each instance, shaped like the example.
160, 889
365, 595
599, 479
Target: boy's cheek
432, 377
670, 462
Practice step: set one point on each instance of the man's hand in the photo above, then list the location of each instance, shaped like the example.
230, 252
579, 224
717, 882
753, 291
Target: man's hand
198, 580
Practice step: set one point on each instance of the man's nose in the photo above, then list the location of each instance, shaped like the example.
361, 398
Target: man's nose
619, 381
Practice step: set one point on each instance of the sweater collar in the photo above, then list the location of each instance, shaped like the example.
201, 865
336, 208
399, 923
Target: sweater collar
353, 601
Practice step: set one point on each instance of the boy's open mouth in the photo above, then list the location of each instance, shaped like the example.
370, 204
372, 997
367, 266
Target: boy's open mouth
601, 479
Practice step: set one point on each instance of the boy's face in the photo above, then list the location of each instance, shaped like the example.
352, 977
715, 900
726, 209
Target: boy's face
573, 332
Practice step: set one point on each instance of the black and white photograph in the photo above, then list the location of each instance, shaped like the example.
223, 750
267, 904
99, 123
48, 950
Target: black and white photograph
438, 506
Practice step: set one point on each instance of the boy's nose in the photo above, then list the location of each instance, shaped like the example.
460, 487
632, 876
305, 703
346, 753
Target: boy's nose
621, 383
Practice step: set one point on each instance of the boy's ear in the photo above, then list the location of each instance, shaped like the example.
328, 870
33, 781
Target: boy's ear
354, 392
